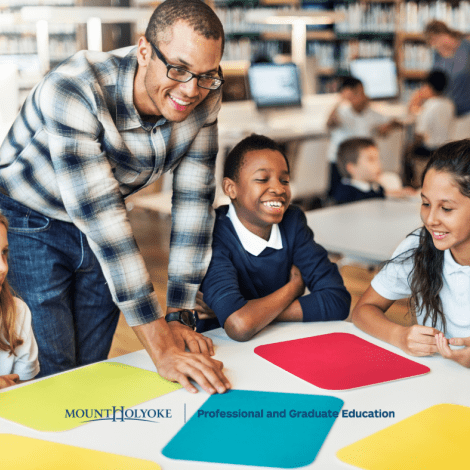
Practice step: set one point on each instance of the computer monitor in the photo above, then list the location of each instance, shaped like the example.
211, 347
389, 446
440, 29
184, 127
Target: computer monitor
274, 85
378, 75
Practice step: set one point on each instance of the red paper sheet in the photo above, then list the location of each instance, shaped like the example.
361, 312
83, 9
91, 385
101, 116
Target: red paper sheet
339, 361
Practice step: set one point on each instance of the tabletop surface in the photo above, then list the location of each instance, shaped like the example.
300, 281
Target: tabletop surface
368, 230
447, 382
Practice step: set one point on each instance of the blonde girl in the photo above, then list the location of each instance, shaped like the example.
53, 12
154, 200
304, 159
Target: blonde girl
18, 348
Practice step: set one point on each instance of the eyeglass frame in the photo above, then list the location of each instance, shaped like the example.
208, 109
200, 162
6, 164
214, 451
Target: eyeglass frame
193, 75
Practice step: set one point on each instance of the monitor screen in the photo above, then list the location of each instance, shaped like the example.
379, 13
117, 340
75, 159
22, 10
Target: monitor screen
274, 85
379, 77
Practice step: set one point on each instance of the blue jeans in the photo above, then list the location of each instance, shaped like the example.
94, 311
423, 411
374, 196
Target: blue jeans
53, 269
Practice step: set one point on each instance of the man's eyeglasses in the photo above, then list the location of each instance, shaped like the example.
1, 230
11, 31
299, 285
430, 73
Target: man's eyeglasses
180, 74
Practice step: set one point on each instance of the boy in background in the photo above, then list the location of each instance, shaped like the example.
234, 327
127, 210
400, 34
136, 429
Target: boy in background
353, 117
359, 165
263, 252
433, 125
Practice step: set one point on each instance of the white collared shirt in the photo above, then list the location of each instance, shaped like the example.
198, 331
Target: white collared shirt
353, 124
392, 283
251, 242
25, 362
363, 186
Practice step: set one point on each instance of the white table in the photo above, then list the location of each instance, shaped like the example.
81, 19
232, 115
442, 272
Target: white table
446, 383
367, 231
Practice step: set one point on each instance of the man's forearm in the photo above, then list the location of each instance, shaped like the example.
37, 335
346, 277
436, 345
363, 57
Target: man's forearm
156, 338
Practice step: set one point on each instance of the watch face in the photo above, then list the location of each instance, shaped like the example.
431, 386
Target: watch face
187, 317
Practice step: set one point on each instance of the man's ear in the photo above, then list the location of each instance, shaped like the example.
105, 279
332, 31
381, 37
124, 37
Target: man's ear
230, 188
144, 52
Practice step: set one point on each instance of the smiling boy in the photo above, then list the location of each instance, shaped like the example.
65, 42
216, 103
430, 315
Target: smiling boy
263, 252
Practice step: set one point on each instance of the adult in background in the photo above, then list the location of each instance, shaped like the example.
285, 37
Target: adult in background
451, 56
96, 129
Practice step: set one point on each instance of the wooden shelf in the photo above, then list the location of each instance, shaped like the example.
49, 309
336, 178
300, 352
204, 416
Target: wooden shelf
327, 71
409, 74
234, 68
326, 35
279, 2
405, 36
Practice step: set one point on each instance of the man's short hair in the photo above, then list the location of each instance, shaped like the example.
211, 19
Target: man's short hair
235, 158
349, 82
195, 13
437, 80
348, 152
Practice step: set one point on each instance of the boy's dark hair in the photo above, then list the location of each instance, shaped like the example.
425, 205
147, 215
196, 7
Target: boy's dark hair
235, 158
348, 152
196, 13
437, 80
349, 82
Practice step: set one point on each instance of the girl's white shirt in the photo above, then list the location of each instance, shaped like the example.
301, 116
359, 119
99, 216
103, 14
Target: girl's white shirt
392, 283
25, 363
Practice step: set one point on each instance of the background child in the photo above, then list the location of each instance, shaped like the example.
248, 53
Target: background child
433, 124
431, 266
359, 165
353, 117
18, 348
263, 252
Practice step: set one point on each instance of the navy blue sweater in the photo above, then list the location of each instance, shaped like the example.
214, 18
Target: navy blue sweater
347, 193
235, 276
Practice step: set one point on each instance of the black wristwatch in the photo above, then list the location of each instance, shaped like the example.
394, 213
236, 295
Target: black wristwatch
186, 317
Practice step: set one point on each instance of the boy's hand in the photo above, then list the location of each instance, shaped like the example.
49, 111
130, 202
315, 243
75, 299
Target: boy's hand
296, 279
334, 119
384, 129
9, 380
462, 356
203, 310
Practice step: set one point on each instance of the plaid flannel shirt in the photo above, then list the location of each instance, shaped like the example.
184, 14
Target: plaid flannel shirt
79, 147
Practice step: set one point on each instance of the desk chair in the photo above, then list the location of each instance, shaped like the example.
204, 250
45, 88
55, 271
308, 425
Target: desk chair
310, 169
391, 150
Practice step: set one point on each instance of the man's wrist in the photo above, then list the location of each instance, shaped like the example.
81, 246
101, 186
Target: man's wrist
156, 337
184, 316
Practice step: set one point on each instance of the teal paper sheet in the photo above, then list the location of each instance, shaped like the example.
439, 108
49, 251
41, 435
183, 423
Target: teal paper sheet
250, 435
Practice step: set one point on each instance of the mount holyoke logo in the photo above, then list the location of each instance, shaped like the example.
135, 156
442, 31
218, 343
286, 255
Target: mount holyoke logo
118, 414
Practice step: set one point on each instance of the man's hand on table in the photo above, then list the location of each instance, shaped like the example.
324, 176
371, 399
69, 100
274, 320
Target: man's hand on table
195, 342
165, 346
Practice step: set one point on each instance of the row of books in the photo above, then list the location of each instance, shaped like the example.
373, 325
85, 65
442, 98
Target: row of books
234, 21
246, 49
366, 17
59, 47
30, 28
23, 3
414, 16
417, 57
329, 55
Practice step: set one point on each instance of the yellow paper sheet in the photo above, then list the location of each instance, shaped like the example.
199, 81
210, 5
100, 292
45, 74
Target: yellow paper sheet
44, 405
25, 453
434, 439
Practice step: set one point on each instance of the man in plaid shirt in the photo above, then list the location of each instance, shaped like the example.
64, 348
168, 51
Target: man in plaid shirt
96, 129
